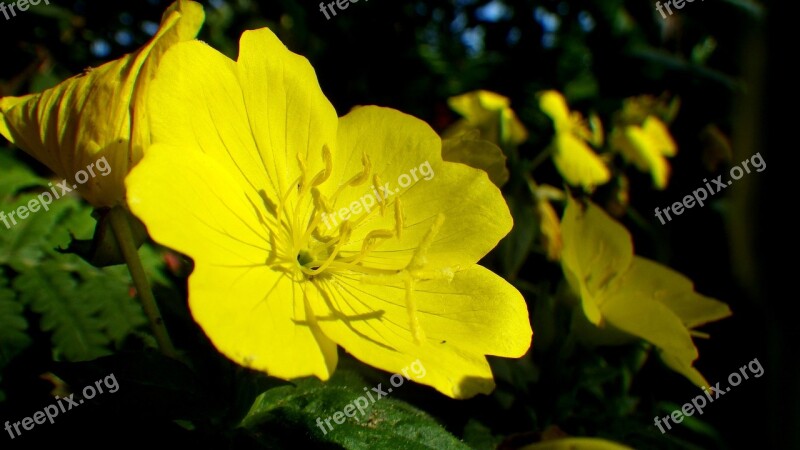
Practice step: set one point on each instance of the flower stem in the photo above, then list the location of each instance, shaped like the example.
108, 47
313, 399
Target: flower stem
122, 231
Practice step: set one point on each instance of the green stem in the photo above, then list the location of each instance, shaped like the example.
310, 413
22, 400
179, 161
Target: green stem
540, 158
122, 231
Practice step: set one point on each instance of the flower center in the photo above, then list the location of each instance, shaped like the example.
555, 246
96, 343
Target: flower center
312, 251
304, 258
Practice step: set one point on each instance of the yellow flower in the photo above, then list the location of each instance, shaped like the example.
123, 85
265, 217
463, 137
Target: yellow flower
549, 229
574, 159
623, 292
576, 443
97, 114
491, 114
647, 147
310, 231
643, 139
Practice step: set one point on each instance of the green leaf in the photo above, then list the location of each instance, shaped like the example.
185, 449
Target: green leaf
280, 415
119, 312
154, 264
70, 314
25, 243
16, 176
517, 245
479, 436
13, 338
103, 250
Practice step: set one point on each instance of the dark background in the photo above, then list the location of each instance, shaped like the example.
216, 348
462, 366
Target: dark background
414, 55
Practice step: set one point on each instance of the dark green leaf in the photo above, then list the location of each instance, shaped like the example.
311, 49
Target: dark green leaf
13, 338
71, 315
282, 414
516, 246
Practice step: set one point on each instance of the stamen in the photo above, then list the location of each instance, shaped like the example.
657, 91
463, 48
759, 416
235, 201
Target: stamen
398, 218
420, 254
413, 318
699, 334
369, 243
344, 236
376, 184
414, 271
364, 175
447, 274
356, 179
282, 209
325, 174
411, 303
321, 208
303, 257
301, 161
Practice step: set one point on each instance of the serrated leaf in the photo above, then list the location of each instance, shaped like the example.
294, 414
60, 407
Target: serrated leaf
119, 312
279, 415
25, 243
71, 315
13, 326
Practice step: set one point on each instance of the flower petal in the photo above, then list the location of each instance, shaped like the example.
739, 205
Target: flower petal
475, 314
190, 203
682, 367
258, 318
180, 22
555, 106
194, 77
491, 114
399, 145
676, 291
253, 116
286, 109
88, 117
659, 133
632, 310
645, 152
578, 163
596, 250
253, 314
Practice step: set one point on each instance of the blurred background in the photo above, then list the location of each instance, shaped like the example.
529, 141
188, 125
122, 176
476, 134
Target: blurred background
719, 57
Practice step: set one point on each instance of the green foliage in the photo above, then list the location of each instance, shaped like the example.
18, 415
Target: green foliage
280, 414
13, 326
86, 311
410, 56
84, 315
